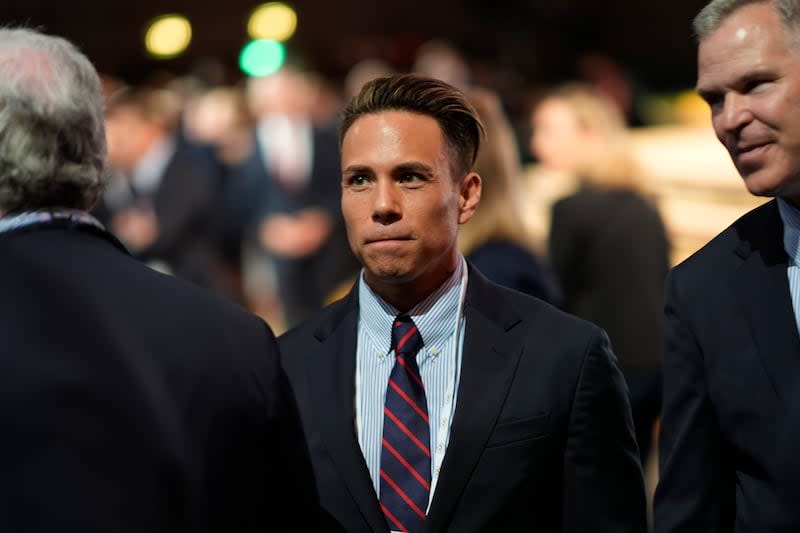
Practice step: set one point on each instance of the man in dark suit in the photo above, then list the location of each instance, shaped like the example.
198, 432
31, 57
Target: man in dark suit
505, 414
130, 401
728, 445
161, 199
295, 243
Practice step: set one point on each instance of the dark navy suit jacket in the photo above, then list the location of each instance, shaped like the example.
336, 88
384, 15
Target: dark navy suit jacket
541, 440
132, 401
729, 436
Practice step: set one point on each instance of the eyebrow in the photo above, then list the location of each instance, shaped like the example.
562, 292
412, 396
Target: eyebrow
410, 166
359, 169
413, 166
756, 74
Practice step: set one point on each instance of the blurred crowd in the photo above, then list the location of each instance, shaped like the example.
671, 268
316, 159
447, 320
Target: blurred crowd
234, 185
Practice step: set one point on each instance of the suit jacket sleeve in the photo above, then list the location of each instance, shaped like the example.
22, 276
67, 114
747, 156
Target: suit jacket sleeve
695, 490
185, 203
603, 482
267, 474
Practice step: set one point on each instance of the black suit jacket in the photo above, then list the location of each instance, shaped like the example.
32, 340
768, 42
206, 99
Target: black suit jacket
185, 203
729, 437
541, 440
610, 252
131, 401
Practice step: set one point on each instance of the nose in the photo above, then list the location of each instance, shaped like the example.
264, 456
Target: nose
386, 202
734, 115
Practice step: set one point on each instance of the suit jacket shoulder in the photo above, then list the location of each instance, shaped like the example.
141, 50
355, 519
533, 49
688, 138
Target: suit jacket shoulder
758, 230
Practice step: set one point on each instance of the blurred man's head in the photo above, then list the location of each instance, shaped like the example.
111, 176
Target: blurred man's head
135, 119
287, 92
52, 142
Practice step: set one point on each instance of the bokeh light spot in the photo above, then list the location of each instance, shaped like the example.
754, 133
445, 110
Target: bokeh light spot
262, 57
274, 20
168, 36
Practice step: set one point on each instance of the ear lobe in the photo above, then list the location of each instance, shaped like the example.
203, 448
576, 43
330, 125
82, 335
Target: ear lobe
469, 197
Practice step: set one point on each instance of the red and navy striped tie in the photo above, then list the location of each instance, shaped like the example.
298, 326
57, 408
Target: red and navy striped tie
405, 454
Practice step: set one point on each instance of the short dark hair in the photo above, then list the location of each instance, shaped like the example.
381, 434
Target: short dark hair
458, 119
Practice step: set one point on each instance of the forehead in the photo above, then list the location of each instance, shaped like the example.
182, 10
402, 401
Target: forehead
389, 135
749, 40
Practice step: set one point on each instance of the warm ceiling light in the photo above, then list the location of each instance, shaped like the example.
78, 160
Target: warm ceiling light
168, 36
274, 20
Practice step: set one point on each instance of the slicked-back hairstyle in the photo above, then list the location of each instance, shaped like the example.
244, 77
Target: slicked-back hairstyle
52, 139
711, 16
461, 127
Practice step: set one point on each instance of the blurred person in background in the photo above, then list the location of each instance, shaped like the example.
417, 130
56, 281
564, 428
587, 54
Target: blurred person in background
220, 119
130, 400
729, 437
161, 201
607, 241
610, 78
441, 59
496, 240
434, 399
364, 71
295, 246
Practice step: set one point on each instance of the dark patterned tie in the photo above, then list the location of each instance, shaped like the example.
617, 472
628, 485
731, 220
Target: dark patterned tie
405, 453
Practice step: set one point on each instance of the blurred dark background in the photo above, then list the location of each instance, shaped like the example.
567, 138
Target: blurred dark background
534, 41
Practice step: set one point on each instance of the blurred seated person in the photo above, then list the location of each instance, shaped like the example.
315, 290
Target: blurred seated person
220, 119
161, 199
495, 240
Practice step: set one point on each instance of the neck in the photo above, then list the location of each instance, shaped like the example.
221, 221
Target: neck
403, 295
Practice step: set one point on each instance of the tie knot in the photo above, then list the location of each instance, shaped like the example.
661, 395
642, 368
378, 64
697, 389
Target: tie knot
405, 335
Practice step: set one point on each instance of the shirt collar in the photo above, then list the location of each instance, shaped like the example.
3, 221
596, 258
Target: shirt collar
149, 171
12, 221
435, 316
791, 229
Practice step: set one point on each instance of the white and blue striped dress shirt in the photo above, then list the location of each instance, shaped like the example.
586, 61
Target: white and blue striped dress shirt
791, 243
439, 320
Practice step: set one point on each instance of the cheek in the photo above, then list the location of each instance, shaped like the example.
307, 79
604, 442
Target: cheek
350, 213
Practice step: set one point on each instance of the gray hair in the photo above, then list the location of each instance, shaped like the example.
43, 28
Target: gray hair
52, 138
715, 12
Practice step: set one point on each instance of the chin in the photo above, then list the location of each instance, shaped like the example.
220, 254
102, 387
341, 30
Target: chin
762, 183
389, 274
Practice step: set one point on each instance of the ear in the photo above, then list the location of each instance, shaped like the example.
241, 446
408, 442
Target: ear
469, 197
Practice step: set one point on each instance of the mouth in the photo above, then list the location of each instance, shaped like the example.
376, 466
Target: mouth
750, 153
385, 240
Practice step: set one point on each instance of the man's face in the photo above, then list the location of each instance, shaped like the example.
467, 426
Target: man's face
401, 203
558, 141
751, 80
128, 136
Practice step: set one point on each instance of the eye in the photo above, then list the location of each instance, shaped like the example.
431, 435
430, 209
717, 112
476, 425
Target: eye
714, 100
711, 98
355, 180
411, 179
755, 84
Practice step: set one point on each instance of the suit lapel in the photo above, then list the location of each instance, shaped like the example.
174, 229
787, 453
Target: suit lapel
762, 286
333, 392
489, 361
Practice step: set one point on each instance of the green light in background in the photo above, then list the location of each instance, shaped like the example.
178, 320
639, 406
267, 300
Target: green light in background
262, 57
